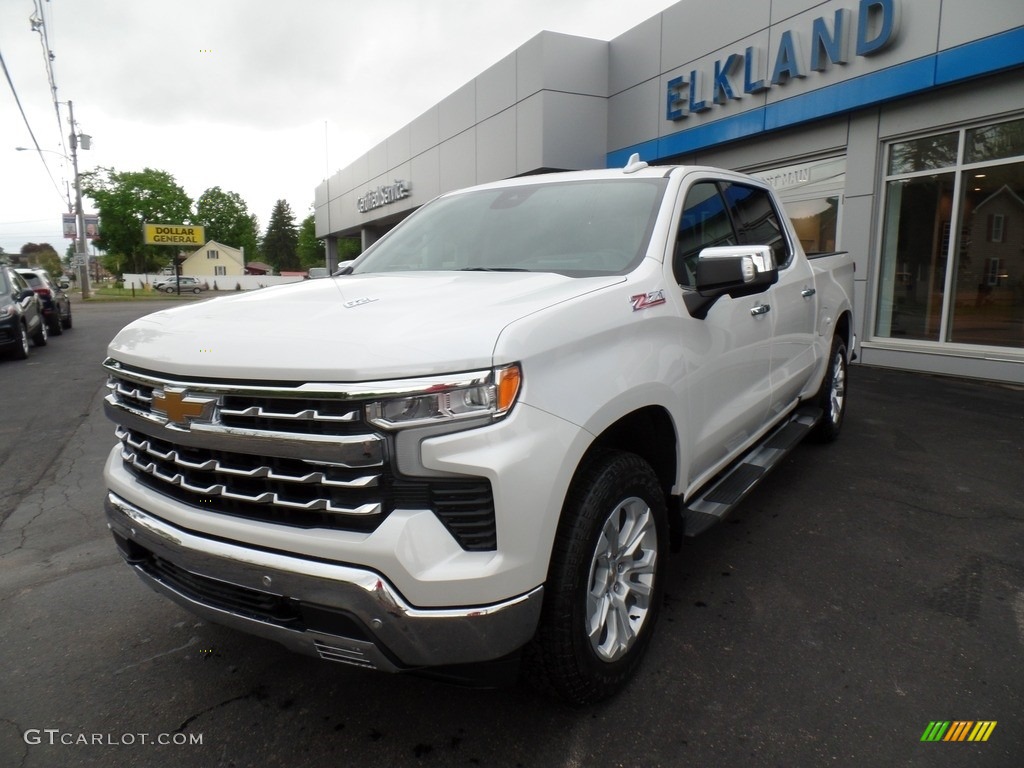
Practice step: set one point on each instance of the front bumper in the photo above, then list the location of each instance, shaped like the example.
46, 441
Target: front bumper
318, 608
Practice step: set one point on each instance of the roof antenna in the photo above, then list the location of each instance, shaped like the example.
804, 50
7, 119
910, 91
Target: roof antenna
635, 164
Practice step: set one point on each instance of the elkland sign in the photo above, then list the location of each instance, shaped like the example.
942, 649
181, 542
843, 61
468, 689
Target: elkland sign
876, 26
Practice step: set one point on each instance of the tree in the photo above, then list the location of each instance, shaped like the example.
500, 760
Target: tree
280, 244
312, 252
227, 220
43, 255
126, 201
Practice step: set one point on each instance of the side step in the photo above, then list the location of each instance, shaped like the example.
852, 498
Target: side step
728, 489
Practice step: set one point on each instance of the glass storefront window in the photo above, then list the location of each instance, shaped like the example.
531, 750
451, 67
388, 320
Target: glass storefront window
914, 245
995, 142
988, 299
811, 193
816, 222
927, 154
952, 256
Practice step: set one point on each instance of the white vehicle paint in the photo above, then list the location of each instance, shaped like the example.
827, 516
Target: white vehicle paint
599, 355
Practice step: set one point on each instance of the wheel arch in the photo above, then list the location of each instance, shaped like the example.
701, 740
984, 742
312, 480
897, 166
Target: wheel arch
650, 433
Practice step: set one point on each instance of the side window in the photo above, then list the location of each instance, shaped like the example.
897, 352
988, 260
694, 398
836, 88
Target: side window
757, 222
704, 223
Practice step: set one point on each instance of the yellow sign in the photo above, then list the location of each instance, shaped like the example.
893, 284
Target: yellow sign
173, 234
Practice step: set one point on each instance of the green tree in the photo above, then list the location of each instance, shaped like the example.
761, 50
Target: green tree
227, 220
126, 201
312, 252
43, 255
281, 242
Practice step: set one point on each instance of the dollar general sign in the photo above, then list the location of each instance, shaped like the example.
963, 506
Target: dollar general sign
173, 234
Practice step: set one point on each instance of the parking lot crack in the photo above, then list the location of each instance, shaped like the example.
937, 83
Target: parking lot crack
259, 693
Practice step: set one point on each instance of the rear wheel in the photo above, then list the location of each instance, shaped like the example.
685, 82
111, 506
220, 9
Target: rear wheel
832, 395
56, 326
40, 337
604, 588
66, 321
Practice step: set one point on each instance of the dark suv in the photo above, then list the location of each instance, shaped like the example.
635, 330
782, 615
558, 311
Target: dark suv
21, 315
56, 304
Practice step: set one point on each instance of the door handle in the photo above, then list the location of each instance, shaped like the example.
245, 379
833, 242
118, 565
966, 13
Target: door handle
807, 292
760, 309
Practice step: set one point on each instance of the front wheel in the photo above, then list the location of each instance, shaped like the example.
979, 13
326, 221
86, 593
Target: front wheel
21, 351
604, 588
832, 395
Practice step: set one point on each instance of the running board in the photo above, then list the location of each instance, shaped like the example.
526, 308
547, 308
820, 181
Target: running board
728, 489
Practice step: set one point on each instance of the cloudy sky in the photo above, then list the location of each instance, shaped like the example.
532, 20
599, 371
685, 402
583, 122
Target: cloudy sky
265, 98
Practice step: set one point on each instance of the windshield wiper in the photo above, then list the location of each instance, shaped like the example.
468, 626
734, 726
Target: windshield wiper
493, 269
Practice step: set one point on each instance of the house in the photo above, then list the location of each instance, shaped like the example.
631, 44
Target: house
258, 268
214, 260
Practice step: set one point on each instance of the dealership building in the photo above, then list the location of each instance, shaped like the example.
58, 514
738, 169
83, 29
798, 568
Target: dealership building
892, 129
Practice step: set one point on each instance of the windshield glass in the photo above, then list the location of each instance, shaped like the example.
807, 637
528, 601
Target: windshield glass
575, 228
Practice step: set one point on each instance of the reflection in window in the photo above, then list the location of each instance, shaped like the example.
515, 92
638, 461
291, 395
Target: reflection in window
705, 223
815, 222
995, 142
952, 262
930, 153
914, 245
988, 305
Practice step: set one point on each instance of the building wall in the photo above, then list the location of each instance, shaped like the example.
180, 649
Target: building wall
544, 106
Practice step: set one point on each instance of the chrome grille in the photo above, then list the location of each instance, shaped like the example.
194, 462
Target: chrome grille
290, 456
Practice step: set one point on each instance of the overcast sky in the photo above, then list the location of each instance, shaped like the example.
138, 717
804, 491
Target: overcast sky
265, 98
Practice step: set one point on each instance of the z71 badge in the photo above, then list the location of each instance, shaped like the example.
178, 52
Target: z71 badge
647, 300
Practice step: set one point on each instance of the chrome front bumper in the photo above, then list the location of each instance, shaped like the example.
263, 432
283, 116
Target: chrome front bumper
333, 611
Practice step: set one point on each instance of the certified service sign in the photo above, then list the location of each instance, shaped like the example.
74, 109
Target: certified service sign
173, 234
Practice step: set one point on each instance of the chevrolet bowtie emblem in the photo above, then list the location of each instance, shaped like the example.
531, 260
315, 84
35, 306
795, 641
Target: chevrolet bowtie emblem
182, 408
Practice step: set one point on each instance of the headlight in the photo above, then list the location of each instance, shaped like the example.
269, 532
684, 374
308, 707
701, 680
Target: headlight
483, 394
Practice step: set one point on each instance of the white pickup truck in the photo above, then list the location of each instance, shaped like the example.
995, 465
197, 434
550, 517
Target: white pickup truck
473, 450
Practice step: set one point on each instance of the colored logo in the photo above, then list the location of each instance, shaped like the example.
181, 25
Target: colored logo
180, 408
647, 300
958, 730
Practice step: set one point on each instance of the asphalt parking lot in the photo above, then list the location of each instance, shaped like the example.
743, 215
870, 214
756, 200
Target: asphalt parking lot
866, 590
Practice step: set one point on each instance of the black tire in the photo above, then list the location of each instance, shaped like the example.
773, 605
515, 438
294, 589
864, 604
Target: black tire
602, 597
66, 321
40, 337
56, 327
832, 395
21, 351
196, 290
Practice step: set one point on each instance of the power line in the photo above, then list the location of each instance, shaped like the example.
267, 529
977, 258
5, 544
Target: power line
21, 109
38, 22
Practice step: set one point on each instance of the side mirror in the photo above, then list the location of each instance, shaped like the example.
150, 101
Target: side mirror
28, 293
731, 270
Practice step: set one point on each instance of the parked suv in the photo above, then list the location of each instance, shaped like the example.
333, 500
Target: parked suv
21, 315
55, 303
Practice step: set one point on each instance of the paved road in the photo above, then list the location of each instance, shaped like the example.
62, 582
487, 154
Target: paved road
868, 588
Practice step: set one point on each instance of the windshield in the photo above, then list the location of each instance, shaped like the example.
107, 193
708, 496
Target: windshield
574, 228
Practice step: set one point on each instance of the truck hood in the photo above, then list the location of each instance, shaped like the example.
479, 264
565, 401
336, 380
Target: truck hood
354, 328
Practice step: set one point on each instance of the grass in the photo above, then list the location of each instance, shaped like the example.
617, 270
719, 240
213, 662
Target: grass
110, 293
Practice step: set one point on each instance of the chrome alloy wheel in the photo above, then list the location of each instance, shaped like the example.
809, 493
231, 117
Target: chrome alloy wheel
621, 579
837, 393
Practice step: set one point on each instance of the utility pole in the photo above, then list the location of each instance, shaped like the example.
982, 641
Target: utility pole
81, 251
